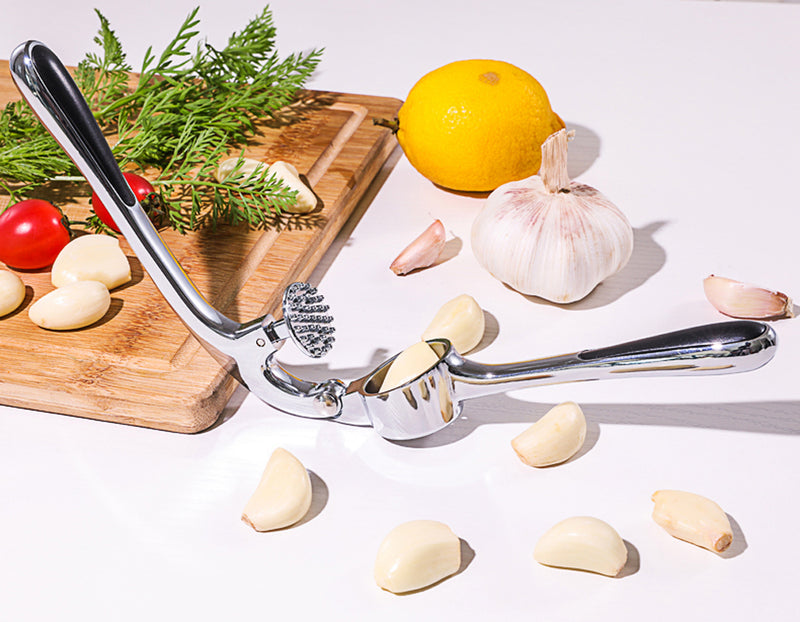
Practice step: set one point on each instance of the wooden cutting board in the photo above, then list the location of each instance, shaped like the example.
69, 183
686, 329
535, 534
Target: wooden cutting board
139, 365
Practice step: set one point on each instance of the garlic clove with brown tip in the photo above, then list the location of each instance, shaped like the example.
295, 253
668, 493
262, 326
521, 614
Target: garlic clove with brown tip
693, 518
744, 300
551, 237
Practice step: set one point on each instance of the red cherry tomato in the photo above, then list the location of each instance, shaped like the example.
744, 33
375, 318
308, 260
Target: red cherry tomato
32, 234
144, 191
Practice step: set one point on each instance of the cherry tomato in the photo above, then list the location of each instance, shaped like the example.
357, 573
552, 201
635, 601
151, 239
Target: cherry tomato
32, 234
145, 194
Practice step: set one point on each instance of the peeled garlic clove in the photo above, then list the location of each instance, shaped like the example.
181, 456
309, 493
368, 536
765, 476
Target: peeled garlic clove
693, 518
91, 258
551, 237
582, 543
743, 300
306, 199
554, 438
415, 555
71, 306
410, 363
248, 167
282, 497
461, 321
422, 252
12, 292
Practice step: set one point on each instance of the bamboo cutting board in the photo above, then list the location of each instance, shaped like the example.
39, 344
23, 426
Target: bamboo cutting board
139, 365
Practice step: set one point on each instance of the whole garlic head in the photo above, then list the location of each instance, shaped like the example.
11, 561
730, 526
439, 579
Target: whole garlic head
551, 237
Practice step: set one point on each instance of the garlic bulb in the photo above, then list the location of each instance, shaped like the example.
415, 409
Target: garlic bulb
551, 237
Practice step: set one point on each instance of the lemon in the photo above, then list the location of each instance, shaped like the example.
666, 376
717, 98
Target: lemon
473, 125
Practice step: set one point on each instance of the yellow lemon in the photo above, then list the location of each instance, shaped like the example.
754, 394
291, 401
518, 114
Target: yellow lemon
474, 125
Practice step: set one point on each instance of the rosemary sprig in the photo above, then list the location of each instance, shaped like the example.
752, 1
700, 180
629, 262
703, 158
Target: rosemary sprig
191, 105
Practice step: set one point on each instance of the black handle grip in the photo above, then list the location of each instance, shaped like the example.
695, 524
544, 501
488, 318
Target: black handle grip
44, 73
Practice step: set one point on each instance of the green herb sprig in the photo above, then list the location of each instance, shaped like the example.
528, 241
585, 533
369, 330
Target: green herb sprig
190, 106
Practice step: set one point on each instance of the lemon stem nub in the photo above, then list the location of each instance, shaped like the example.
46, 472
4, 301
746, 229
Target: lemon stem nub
393, 125
553, 170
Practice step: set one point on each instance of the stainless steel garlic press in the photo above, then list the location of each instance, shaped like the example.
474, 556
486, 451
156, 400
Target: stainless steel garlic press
424, 405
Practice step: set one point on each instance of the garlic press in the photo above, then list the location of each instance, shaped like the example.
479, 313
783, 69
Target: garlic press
421, 406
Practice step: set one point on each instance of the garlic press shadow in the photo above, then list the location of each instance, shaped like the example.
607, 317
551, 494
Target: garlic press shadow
763, 418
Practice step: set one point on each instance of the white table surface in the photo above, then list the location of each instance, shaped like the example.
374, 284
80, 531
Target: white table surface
687, 118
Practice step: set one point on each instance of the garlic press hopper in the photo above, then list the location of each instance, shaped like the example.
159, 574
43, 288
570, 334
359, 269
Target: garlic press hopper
427, 403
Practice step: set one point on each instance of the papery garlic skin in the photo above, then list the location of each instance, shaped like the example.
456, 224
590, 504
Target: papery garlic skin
546, 236
461, 321
582, 543
71, 306
693, 518
283, 495
12, 292
417, 554
746, 301
422, 252
92, 257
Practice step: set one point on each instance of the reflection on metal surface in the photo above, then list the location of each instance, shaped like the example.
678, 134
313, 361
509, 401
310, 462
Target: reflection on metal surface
645, 368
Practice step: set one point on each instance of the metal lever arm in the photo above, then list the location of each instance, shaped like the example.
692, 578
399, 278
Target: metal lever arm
726, 347
52, 94
246, 350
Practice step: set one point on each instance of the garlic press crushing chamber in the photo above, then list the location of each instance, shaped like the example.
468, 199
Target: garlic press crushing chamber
424, 405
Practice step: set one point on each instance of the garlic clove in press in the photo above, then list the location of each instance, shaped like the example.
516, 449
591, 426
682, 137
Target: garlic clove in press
461, 321
415, 555
582, 543
422, 252
410, 363
91, 258
12, 292
693, 518
551, 237
743, 300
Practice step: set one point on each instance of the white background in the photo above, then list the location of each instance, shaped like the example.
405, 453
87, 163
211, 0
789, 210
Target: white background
687, 118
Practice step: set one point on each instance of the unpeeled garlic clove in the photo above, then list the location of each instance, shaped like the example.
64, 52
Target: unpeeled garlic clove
410, 363
422, 252
693, 518
92, 257
283, 495
743, 300
554, 438
417, 554
71, 306
461, 321
582, 543
12, 292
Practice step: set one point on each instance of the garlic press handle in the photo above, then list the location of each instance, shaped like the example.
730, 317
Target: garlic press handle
244, 349
52, 94
724, 347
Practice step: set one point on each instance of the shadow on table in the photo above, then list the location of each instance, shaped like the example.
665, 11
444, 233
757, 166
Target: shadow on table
762, 417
